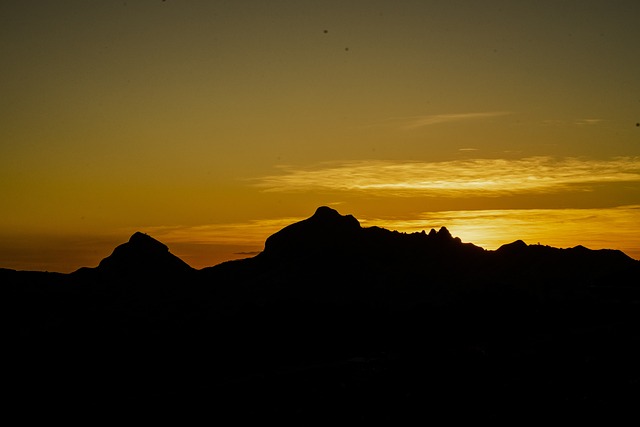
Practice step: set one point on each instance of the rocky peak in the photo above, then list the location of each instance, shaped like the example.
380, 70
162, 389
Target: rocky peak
443, 233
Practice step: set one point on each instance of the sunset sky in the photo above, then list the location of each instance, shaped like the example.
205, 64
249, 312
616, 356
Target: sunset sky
212, 124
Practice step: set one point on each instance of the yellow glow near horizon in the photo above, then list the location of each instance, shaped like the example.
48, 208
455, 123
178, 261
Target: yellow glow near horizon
611, 228
207, 245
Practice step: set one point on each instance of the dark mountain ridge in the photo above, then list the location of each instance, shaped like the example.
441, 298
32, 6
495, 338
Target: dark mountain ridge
330, 319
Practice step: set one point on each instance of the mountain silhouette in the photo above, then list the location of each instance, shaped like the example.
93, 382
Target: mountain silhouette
326, 230
142, 254
331, 320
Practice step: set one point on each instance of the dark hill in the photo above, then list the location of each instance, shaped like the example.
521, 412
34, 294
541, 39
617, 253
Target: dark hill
142, 254
331, 320
326, 231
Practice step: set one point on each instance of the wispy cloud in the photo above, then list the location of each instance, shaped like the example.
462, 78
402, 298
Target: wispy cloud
472, 177
428, 120
577, 122
583, 122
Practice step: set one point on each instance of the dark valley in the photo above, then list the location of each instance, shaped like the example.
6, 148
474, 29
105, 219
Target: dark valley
331, 321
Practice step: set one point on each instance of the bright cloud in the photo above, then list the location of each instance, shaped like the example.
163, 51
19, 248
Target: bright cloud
474, 177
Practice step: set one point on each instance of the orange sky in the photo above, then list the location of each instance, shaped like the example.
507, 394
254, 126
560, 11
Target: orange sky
209, 125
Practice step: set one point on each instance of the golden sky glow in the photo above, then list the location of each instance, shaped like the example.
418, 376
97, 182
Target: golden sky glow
210, 124
612, 228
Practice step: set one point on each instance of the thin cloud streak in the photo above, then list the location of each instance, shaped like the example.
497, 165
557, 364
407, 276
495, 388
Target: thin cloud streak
421, 121
458, 178
583, 122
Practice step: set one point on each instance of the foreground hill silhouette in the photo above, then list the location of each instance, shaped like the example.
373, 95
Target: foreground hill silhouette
330, 320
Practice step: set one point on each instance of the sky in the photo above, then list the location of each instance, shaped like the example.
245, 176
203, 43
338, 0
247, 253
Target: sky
212, 124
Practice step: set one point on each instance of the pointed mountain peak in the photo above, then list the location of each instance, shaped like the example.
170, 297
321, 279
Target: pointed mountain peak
145, 242
142, 253
444, 233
